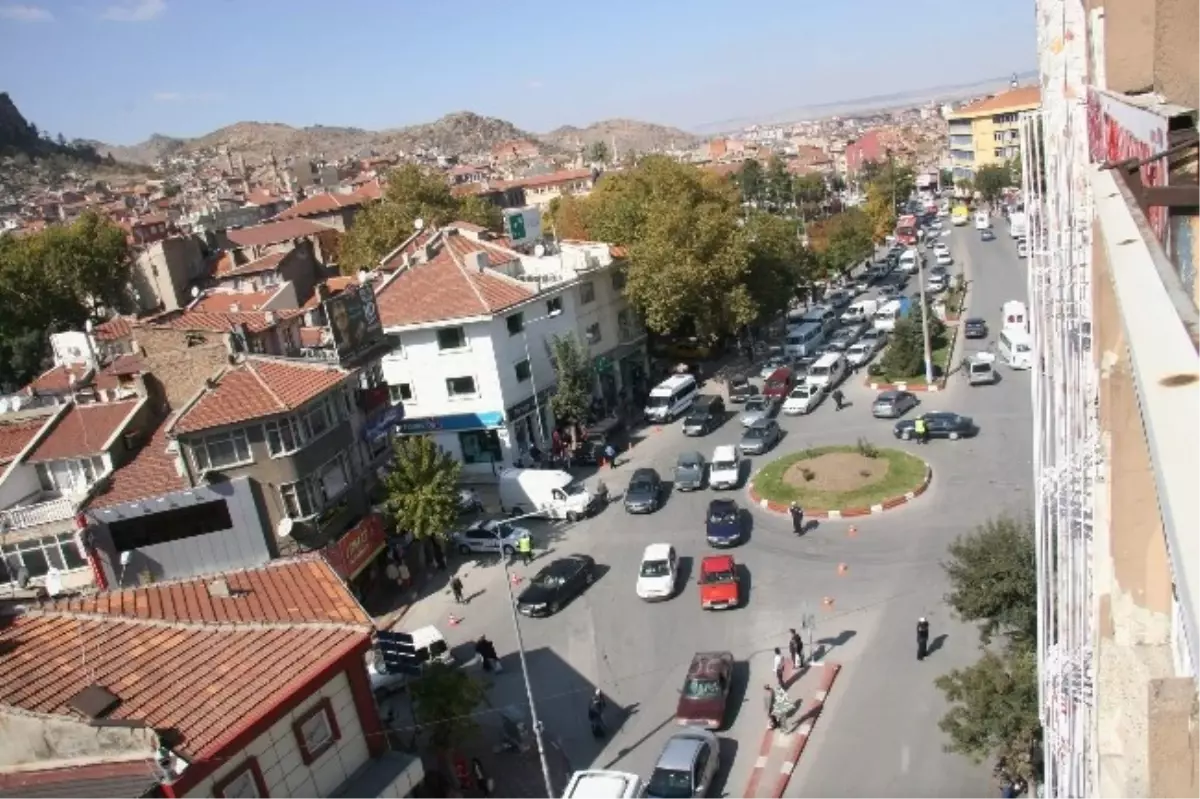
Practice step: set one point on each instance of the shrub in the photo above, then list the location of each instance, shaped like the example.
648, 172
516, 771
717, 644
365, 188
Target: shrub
875, 370
867, 449
807, 474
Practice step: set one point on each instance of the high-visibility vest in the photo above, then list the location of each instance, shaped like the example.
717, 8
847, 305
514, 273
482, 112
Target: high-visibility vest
524, 544
919, 425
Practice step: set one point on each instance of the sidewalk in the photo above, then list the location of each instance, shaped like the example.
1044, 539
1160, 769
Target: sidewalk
515, 774
780, 749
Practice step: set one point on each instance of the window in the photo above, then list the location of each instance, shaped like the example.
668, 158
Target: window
284, 436
172, 524
401, 392
618, 280
593, 333
308, 497
321, 418
587, 293
460, 386
221, 451
480, 446
298, 501
516, 323
38, 555
451, 338
70, 476
523, 371
316, 731
553, 305
245, 780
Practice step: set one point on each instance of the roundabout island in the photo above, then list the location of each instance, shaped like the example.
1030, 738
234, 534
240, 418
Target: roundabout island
841, 481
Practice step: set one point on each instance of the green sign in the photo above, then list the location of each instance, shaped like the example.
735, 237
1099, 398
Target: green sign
602, 365
516, 227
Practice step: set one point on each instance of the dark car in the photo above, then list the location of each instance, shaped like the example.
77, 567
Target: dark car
689, 471
975, 328
723, 525
987, 235
760, 437
741, 389
707, 414
893, 404
557, 584
706, 691
644, 493
940, 424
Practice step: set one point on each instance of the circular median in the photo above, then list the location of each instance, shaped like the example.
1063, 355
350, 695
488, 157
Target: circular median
841, 481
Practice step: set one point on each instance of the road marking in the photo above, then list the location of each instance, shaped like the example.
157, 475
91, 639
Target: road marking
805, 728
783, 740
761, 762
822, 696
786, 768
905, 758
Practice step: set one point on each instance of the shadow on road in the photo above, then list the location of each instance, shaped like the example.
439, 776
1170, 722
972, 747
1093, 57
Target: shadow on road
828, 644
683, 572
936, 644
728, 753
739, 690
747, 583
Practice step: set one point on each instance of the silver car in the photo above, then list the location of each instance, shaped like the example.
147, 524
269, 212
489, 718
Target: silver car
893, 404
489, 535
757, 407
687, 765
760, 437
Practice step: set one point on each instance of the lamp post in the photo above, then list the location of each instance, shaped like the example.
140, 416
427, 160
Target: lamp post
537, 406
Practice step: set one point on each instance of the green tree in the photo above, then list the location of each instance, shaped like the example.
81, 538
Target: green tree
573, 397
905, 353
991, 571
598, 152
422, 487
991, 179
947, 178
882, 214
778, 183
837, 184
444, 701
778, 262
565, 218
810, 193
842, 240
751, 180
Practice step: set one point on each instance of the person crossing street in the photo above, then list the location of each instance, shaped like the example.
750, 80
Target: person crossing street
922, 638
839, 399
797, 514
796, 650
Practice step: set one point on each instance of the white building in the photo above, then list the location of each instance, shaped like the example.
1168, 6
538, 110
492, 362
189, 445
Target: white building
471, 324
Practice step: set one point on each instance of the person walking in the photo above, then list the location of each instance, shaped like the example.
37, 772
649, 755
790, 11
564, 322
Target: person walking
525, 549
596, 716
778, 666
796, 649
797, 514
839, 399
456, 588
922, 638
487, 651
919, 429
482, 781
610, 455
769, 699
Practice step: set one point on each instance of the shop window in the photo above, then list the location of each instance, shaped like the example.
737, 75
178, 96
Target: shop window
401, 392
587, 293
316, 731
480, 446
451, 338
553, 306
460, 386
245, 780
221, 451
524, 372
593, 333
515, 323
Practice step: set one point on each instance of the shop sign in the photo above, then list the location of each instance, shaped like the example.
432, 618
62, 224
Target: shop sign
527, 406
381, 424
358, 547
458, 421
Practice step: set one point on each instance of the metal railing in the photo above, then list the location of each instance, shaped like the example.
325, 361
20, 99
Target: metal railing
55, 510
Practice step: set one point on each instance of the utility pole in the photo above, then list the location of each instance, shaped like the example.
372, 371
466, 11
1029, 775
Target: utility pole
924, 318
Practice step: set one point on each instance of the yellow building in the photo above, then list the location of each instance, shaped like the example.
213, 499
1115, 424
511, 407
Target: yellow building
985, 132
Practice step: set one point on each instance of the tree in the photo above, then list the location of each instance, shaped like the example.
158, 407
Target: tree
444, 701
991, 179
810, 193
992, 577
422, 487
905, 353
778, 262
842, 240
751, 181
946, 178
837, 184
882, 213
778, 183
565, 218
598, 152
573, 397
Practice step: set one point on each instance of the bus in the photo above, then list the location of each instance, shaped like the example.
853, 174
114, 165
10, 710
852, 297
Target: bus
1016, 347
906, 230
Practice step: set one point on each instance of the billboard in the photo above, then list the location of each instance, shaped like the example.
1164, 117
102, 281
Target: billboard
353, 319
523, 225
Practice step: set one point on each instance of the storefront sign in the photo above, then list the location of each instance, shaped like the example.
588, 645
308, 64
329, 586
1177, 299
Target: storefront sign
458, 421
382, 423
358, 547
528, 406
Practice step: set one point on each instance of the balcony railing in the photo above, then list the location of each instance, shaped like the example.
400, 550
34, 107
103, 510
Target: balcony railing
54, 510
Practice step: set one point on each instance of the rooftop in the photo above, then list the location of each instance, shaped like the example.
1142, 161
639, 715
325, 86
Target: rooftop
16, 431
258, 387
193, 321
151, 473
233, 301
320, 205
84, 430
275, 232
227, 267
116, 328
1022, 98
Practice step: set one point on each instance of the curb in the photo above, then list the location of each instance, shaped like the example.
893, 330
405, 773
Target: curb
846, 513
804, 732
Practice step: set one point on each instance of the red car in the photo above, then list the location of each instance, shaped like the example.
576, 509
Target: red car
706, 691
719, 584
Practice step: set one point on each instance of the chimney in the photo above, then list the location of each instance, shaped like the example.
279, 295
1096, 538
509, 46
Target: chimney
478, 259
428, 251
271, 317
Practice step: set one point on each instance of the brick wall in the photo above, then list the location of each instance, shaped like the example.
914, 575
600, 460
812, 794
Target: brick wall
181, 369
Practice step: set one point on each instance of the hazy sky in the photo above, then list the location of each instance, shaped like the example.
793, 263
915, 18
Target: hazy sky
119, 70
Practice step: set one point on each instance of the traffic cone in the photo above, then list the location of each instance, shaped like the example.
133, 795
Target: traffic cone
453, 620
843, 568
852, 532
514, 579
827, 601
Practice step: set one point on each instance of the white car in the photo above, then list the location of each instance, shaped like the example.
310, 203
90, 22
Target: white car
725, 467
657, 574
803, 399
863, 351
941, 247
944, 259
489, 535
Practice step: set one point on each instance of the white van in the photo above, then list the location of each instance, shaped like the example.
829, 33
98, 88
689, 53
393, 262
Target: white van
597, 784
804, 340
1014, 314
1016, 347
886, 317
725, 468
551, 492
827, 372
821, 315
908, 261
861, 311
983, 220
671, 397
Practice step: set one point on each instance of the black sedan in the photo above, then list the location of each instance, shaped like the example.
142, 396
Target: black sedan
556, 585
939, 424
723, 525
975, 328
644, 494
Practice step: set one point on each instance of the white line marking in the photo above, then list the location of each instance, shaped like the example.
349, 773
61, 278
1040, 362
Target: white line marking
786, 768
822, 695
805, 728
905, 758
783, 740
761, 762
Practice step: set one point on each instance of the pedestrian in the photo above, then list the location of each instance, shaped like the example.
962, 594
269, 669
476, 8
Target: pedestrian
772, 719
919, 429
796, 649
797, 514
610, 455
839, 399
482, 780
525, 548
456, 588
439, 557
600, 701
922, 638
778, 666
487, 652
596, 720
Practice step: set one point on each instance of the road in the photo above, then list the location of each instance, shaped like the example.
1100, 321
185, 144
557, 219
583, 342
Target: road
884, 709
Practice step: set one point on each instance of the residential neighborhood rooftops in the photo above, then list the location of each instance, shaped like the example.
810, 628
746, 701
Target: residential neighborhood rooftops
151, 473
275, 232
217, 321
83, 430
233, 301
320, 205
226, 267
17, 432
116, 328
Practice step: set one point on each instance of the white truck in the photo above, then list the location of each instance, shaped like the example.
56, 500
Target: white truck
1018, 224
552, 493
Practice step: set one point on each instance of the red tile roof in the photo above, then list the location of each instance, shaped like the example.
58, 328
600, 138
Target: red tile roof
58, 379
116, 328
83, 430
369, 192
336, 285
319, 205
179, 658
216, 321
463, 246
151, 473
554, 178
1021, 97
311, 337
261, 196
268, 263
275, 232
228, 301
256, 388
15, 435
126, 778
411, 246
445, 288
125, 364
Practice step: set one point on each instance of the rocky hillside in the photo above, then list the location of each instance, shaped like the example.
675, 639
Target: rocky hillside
628, 134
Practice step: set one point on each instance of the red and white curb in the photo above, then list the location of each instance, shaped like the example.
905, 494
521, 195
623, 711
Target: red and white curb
845, 513
933, 388
792, 743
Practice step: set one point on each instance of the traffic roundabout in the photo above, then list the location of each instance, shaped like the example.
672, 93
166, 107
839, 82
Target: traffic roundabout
838, 482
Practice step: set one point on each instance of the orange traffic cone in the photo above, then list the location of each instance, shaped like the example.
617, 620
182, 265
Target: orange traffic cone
843, 568
453, 620
514, 579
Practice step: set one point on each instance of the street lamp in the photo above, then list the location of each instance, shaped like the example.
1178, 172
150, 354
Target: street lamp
537, 406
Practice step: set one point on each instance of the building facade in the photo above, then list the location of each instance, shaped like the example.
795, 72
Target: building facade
986, 132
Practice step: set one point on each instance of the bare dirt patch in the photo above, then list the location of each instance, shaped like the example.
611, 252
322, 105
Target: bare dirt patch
838, 472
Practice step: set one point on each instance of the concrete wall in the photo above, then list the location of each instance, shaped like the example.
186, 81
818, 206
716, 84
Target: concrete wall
43, 741
1151, 45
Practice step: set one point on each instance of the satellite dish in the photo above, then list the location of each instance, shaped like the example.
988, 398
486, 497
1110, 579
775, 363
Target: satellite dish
363, 276
539, 250
53, 582
126, 556
16, 402
419, 223
284, 528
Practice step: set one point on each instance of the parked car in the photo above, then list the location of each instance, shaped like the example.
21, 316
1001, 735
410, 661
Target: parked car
705, 694
688, 763
596, 437
720, 586
893, 404
849, 332
644, 494
1022, 249
975, 328
838, 298
938, 424
940, 247
756, 408
944, 258
803, 399
741, 389
860, 353
657, 573
489, 535
689, 471
723, 524
890, 291
760, 437
556, 584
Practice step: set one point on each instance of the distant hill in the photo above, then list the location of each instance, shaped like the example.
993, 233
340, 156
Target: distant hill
627, 134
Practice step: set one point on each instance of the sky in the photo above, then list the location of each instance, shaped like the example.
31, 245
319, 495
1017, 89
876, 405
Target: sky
120, 70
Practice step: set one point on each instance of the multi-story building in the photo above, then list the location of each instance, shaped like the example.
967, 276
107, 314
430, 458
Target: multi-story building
1112, 200
541, 189
165, 271
987, 131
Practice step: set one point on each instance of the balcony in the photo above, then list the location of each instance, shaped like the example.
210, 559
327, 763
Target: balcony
44, 509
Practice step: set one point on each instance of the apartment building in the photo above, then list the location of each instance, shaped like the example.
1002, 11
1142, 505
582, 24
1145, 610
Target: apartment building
541, 189
986, 131
165, 271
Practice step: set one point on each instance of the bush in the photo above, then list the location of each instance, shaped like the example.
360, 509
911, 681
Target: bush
875, 370
905, 355
867, 449
807, 474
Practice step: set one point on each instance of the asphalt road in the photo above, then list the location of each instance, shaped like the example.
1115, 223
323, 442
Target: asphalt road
884, 708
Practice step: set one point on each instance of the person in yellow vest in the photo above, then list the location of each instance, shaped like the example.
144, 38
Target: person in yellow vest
525, 548
919, 429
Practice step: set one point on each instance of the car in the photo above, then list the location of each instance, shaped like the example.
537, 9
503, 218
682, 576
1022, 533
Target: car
862, 351
938, 424
706, 414
803, 399
705, 695
723, 524
644, 494
489, 535
720, 585
849, 332
893, 404
725, 470
861, 285
1022, 249
556, 584
839, 299
987, 235
937, 283
889, 292
936, 224
657, 573
941, 246
975, 328
741, 389
944, 259
873, 335
687, 765
760, 437
597, 437
772, 365
689, 471
760, 407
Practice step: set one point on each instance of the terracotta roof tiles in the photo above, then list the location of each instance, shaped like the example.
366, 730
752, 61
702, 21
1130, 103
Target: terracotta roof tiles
151, 473
116, 328
83, 430
268, 263
1022, 97
59, 379
233, 301
275, 232
217, 321
553, 179
15, 435
320, 205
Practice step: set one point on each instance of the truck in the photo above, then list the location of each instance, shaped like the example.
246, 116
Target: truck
1018, 224
906, 230
960, 215
549, 492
